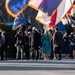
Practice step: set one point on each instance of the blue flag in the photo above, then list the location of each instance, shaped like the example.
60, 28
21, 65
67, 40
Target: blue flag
16, 7
18, 22
61, 27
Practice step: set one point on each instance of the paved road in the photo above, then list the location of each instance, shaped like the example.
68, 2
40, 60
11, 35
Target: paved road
39, 67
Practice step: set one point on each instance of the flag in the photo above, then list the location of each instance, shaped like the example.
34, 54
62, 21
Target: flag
61, 27
42, 18
18, 22
70, 11
35, 4
45, 9
47, 6
57, 11
16, 7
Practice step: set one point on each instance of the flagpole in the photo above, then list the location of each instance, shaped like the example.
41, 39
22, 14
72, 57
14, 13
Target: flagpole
67, 15
68, 19
73, 5
71, 2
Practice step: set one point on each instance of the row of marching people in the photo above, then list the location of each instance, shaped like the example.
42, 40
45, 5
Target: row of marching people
58, 43
30, 39
34, 44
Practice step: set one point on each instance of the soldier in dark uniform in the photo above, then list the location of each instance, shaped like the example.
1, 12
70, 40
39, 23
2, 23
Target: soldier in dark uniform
58, 39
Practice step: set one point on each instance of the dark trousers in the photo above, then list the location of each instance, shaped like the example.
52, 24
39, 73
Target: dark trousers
52, 55
58, 50
36, 48
4, 49
27, 52
37, 56
71, 51
1, 51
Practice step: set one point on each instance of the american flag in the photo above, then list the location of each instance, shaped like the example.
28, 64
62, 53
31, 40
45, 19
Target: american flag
51, 11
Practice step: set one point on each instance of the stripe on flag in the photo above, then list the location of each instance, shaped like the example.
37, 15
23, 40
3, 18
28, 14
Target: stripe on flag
35, 3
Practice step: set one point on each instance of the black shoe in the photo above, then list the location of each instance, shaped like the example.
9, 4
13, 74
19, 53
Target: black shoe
59, 59
6, 58
72, 57
2, 59
16, 58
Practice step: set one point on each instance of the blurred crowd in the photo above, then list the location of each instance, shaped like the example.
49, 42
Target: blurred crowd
34, 44
47, 44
